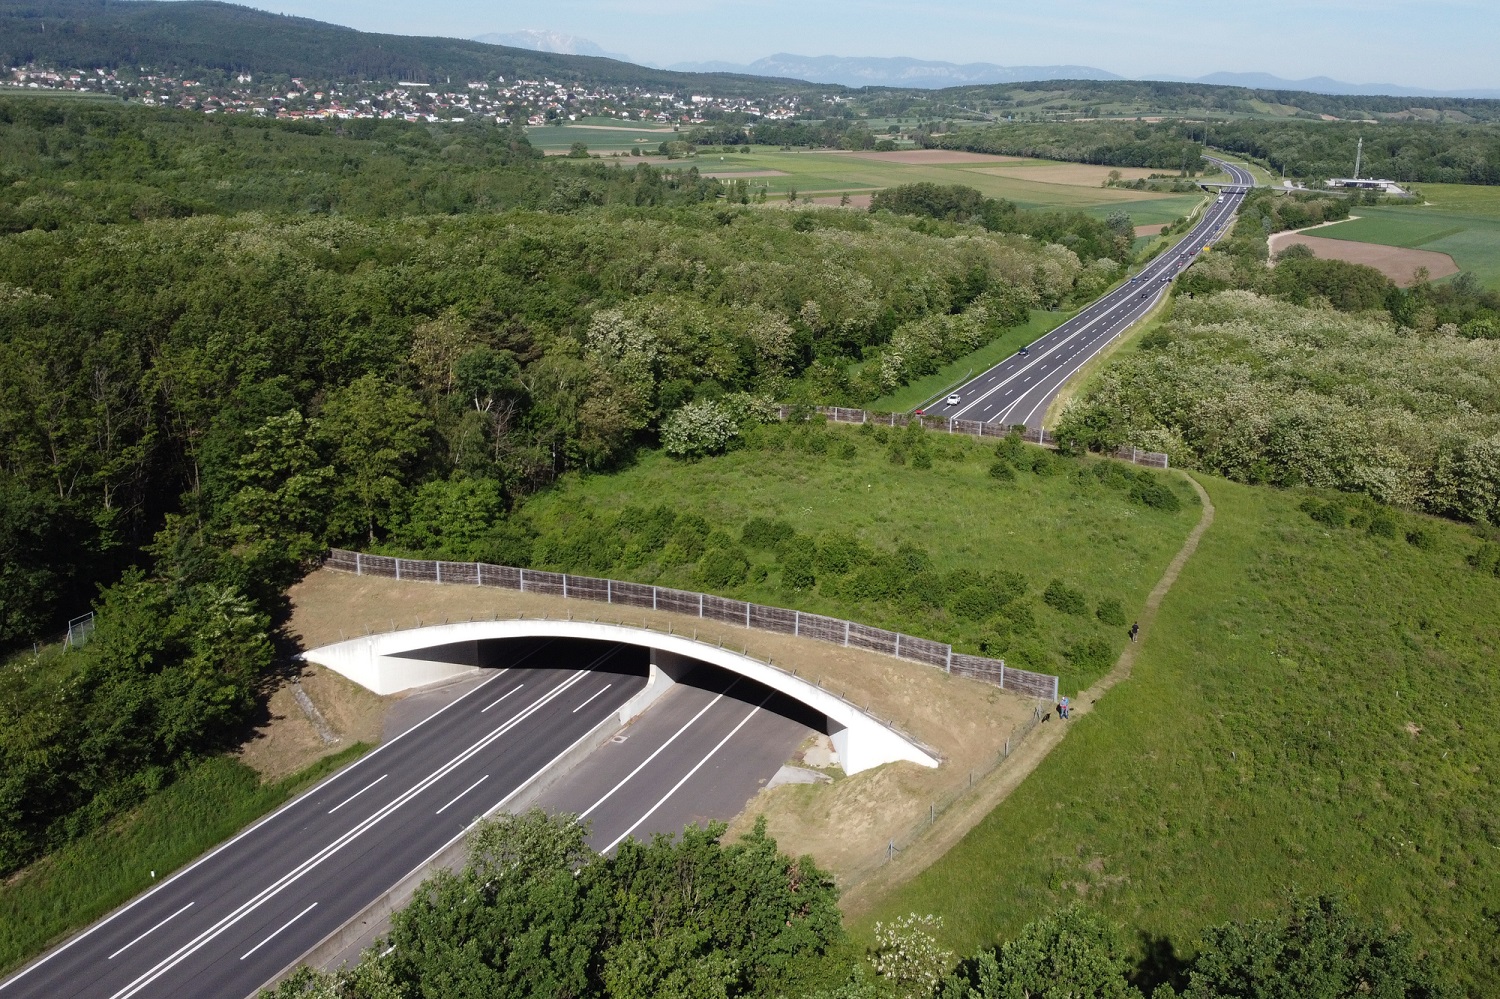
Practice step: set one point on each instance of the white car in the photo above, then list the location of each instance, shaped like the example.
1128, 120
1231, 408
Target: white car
953, 399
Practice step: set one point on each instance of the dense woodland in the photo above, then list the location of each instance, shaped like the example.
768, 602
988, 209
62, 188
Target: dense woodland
1414, 152
225, 346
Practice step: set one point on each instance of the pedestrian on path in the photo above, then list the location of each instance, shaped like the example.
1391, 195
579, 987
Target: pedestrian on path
1135, 629
1062, 709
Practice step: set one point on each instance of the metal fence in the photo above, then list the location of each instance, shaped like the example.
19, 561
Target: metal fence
702, 605
973, 428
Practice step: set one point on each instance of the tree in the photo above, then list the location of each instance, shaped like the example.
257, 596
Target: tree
373, 430
1070, 954
698, 429
284, 487
578, 151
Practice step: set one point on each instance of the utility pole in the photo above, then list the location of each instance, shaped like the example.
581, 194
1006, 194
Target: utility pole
1359, 152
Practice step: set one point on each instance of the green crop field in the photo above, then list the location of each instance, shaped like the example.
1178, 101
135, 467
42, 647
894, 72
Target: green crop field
1469, 234
1058, 523
1315, 708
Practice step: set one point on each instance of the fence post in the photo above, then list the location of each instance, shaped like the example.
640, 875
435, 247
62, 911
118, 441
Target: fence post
1002, 674
747, 613
437, 567
523, 579
700, 605
846, 634
653, 598
898, 645
609, 591
398, 574
478, 573
359, 570
948, 668
565, 585
797, 624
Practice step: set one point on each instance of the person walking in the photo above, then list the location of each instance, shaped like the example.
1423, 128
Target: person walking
1063, 709
1135, 629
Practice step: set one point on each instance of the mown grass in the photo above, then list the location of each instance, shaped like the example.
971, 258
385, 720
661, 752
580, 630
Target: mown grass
1316, 708
1063, 526
923, 390
87, 878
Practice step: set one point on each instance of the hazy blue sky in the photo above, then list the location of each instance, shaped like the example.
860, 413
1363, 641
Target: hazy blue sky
1449, 44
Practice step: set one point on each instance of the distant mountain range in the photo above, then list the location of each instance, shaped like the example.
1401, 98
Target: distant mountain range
548, 41
850, 71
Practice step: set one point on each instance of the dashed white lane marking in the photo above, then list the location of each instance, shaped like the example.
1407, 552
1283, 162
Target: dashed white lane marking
586, 703
501, 697
460, 794
278, 929
356, 794
152, 930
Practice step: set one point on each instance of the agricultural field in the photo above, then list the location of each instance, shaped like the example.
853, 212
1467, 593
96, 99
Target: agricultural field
601, 135
1459, 220
827, 175
1315, 708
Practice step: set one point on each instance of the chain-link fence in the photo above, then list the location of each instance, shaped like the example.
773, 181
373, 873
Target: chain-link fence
706, 606
973, 428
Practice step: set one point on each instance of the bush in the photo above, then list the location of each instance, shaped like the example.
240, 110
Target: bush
797, 571
1419, 538
765, 534
1090, 654
721, 568
840, 553
1062, 597
1000, 471
1110, 612
1148, 490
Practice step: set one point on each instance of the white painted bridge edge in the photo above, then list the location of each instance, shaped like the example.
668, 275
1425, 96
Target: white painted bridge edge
379, 663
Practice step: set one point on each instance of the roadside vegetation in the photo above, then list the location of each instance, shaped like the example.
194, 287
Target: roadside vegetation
1314, 710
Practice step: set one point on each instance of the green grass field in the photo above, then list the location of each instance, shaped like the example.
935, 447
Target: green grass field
1315, 708
1059, 526
90, 876
922, 390
1459, 220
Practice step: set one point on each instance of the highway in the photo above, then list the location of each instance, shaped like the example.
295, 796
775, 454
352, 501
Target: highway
230, 921
1019, 389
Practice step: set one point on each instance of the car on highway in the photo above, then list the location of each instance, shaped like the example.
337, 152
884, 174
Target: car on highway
953, 399
1024, 351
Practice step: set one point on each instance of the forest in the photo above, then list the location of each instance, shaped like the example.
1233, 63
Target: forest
224, 347
1411, 152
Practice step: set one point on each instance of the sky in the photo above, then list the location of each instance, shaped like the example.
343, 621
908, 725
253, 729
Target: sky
1441, 44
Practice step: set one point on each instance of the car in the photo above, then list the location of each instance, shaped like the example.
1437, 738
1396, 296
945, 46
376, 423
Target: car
1024, 351
953, 399
918, 412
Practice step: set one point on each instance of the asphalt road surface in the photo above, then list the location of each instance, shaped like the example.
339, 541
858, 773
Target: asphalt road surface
225, 924
1019, 389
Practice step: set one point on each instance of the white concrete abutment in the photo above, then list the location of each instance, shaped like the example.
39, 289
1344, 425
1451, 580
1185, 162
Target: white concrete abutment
400, 660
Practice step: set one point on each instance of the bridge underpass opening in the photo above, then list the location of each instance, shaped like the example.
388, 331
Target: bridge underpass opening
693, 742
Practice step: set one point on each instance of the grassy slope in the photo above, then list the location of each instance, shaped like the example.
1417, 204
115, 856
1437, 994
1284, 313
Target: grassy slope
1090, 536
1263, 743
93, 875
924, 389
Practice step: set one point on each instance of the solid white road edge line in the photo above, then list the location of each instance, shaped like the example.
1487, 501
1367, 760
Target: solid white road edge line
245, 908
278, 929
687, 776
152, 930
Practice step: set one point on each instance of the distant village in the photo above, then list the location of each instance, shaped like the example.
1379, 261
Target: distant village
537, 102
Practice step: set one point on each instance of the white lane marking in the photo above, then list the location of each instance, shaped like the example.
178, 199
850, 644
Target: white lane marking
460, 794
265, 894
278, 929
152, 930
659, 750
356, 794
687, 776
586, 703
501, 697
300, 799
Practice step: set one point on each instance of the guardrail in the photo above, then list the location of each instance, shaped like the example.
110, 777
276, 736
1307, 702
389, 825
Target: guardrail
973, 428
757, 617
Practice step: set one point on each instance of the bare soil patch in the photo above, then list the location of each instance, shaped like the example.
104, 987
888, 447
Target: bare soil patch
845, 824
932, 157
1071, 174
1149, 230
731, 174
1396, 262
289, 741
860, 201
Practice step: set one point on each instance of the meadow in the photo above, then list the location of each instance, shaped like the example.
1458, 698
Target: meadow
1460, 220
888, 494
1314, 709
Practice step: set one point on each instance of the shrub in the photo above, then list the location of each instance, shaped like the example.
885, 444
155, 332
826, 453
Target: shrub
1382, 524
922, 459
1110, 612
848, 451
765, 533
839, 553
797, 571
1419, 538
1062, 597
1090, 654
1002, 472
698, 429
975, 603
721, 568
1148, 490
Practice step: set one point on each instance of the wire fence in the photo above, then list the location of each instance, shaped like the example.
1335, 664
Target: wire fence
973, 428
940, 806
706, 606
